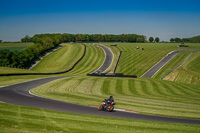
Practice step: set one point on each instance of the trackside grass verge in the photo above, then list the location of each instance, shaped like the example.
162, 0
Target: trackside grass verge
93, 59
188, 72
9, 80
6, 70
143, 95
17, 119
60, 60
174, 62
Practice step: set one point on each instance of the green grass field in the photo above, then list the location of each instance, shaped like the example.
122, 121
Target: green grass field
15, 46
179, 98
17, 119
6, 70
136, 61
93, 59
147, 96
174, 62
64, 58
188, 72
61, 60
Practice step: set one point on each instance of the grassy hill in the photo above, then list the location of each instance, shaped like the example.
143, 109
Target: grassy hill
61, 60
147, 96
188, 72
93, 59
136, 61
6, 70
17, 119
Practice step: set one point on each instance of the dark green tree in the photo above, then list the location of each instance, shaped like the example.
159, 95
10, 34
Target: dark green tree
157, 39
26, 39
0, 41
172, 40
177, 40
151, 39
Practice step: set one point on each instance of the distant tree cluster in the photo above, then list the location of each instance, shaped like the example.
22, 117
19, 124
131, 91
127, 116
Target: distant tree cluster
26, 39
26, 57
103, 38
151, 39
0, 41
195, 39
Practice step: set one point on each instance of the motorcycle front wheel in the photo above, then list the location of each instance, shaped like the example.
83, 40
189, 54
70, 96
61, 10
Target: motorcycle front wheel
110, 109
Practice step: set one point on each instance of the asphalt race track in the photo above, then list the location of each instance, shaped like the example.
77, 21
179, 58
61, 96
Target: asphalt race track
152, 71
19, 94
108, 60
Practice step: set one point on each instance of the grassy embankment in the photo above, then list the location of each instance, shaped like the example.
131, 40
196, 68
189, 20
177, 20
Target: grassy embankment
188, 72
61, 60
92, 60
136, 61
14, 119
174, 62
147, 96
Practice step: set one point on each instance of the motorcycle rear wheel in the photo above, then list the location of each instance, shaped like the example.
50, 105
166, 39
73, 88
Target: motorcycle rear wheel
110, 109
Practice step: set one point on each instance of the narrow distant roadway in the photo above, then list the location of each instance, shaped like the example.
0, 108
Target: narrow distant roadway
19, 94
152, 71
108, 58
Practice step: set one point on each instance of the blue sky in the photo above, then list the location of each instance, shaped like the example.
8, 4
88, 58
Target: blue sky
162, 18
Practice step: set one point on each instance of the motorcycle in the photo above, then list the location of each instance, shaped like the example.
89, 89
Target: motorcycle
108, 108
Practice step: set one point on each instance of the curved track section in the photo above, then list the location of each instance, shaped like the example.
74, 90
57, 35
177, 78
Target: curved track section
152, 71
108, 60
19, 94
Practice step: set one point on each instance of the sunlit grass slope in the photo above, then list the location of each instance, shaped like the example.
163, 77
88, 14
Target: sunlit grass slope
136, 61
61, 60
10, 44
188, 72
6, 70
174, 62
146, 96
9, 80
18, 119
93, 59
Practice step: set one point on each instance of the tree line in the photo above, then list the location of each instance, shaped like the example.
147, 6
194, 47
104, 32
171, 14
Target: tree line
91, 38
195, 39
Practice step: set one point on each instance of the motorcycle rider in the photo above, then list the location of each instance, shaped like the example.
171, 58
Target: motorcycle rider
109, 100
